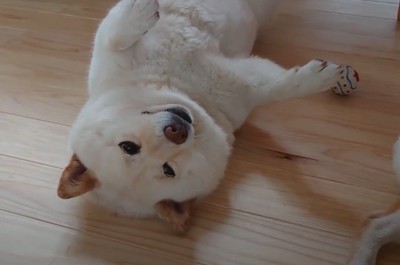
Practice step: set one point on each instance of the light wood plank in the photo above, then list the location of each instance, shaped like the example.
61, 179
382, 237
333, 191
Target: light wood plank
33, 140
56, 245
80, 8
58, 104
337, 22
384, 1
351, 7
337, 32
49, 70
23, 19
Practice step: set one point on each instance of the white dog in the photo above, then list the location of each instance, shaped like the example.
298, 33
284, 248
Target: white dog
169, 83
380, 229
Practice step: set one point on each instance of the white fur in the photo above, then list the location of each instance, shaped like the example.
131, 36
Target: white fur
196, 55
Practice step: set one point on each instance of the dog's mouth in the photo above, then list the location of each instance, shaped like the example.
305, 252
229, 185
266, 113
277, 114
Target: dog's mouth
181, 113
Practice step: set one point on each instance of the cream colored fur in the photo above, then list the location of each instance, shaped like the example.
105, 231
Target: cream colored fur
196, 55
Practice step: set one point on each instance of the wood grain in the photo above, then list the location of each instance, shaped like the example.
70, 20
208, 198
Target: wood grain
302, 176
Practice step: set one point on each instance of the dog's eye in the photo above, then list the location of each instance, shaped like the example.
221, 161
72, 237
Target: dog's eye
168, 171
129, 148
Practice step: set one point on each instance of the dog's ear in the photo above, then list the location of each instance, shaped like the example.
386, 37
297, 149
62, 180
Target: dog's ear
76, 180
177, 214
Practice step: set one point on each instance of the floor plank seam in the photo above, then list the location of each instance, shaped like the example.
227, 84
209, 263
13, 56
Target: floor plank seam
97, 235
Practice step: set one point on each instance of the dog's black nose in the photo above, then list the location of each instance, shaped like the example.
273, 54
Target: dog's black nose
176, 133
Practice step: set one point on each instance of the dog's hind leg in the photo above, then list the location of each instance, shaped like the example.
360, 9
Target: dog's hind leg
379, 231
126, 23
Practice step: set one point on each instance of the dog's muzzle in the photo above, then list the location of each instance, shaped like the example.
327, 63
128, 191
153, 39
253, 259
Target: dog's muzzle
177, 131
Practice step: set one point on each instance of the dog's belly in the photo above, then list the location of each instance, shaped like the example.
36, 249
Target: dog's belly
232, 23
239, 32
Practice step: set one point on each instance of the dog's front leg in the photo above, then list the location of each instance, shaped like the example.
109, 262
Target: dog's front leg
314, 77
126, 23
267, 82
249, 82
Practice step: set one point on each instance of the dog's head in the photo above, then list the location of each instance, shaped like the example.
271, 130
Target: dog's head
144, 147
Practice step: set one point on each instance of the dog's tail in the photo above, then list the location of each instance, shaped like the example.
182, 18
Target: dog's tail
264, 10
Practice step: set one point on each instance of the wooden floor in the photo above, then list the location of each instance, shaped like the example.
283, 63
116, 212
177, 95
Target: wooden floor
303, 173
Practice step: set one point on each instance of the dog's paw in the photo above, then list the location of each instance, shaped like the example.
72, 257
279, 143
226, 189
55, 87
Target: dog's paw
318, 75
142, 14
129, 20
